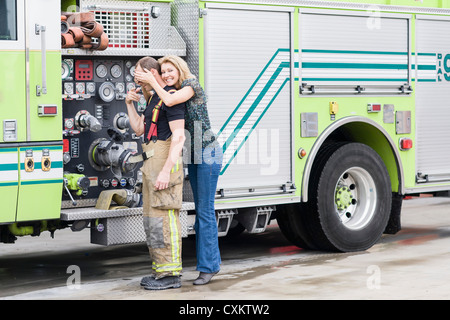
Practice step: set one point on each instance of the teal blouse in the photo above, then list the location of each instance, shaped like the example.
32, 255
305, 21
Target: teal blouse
197, 120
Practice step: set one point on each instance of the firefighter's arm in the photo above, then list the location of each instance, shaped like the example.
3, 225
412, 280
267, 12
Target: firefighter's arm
176, 146
136, 121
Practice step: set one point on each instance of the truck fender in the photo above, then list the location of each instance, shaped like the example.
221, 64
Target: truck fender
326, 134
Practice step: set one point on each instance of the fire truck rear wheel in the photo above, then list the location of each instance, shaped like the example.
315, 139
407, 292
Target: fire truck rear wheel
349, 198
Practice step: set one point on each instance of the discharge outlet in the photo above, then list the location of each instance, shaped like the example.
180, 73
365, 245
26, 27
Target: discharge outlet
104, 154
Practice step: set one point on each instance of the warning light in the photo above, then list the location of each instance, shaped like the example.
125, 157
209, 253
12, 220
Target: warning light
405, 143
47, 110
373, 107
301, 153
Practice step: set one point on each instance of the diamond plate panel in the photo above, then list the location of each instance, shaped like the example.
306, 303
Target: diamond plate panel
132, 30
185, 18
127, 229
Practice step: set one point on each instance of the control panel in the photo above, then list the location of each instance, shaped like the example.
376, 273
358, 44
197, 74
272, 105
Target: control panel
98, 139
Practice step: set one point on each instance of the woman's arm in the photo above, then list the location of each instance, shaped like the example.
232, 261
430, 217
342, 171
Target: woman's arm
169, 99
179, 96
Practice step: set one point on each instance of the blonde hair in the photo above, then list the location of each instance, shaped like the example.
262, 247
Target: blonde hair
180, 65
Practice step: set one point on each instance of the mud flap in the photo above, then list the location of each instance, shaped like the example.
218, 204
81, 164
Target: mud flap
394, 224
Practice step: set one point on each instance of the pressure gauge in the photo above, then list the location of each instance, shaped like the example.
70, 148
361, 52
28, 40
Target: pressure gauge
101, 71
68, 88
80, 87
65, 70
107, 92
69, 123
132, 70
116, 71
130, 85
69, 63
120, 87
90, 88
142, 104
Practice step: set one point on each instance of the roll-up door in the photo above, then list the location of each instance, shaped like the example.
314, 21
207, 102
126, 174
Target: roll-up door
353, 50
248, 82
432, 98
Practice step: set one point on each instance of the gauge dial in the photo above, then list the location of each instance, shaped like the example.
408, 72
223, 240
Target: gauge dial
116, 71
65, 70
90, 87
68, 88
101, 71
130, 86
106, 91
69, 123
120, 87
80, 87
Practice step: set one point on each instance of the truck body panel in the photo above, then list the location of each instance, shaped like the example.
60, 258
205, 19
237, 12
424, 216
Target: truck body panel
288, 83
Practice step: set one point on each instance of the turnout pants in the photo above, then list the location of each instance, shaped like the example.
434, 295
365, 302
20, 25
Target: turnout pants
161, 211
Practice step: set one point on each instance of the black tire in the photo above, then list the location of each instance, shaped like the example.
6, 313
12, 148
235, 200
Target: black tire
354, 219
290, 218
236, 228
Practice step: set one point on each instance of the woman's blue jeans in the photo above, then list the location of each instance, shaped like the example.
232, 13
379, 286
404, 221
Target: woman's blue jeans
203, 177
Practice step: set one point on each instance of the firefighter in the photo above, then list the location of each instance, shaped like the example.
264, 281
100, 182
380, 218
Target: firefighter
205, 157
162, 170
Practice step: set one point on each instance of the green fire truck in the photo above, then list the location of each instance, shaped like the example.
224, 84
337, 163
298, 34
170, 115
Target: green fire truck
329, 114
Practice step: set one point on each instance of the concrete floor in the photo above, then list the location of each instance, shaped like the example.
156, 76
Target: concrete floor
414, 264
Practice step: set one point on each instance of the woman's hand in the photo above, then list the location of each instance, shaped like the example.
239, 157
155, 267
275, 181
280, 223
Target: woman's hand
145, 77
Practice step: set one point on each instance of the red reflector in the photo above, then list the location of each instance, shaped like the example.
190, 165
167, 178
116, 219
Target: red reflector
373, 107
65, 145
406, 143
47, 110
50, 110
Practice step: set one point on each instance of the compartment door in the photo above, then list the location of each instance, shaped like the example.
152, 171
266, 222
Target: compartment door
12, 102
432, 99
41, 182
9, 177
248, 82
12, 63
44, 114
348, 52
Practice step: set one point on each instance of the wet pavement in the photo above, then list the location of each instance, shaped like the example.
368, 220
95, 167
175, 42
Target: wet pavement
413, 264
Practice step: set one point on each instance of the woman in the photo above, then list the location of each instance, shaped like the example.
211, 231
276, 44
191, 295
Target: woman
205, 156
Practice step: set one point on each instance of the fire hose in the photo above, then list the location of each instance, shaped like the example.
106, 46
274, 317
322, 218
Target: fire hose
79, 28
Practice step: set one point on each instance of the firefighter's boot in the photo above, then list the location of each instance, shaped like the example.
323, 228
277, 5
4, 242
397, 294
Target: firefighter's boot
146, 280
163, 283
